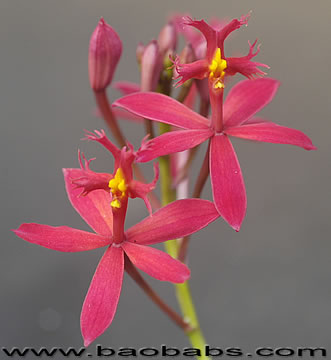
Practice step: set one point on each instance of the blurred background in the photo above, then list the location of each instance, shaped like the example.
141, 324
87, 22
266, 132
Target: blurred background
268, 285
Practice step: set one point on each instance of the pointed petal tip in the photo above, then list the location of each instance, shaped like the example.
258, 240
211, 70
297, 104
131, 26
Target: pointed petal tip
236, 227
87, 342
18, 231
115, 104
185, 277
311, 147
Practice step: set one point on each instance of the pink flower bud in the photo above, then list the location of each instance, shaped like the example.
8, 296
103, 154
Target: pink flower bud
168, 38
104, 53
151, 66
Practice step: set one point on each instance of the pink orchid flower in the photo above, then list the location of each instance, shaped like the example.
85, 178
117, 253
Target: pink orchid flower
215, 66
242, 103
103, 211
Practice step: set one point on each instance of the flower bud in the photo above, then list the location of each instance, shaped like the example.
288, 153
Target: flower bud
167, 38
104, 53
151, 66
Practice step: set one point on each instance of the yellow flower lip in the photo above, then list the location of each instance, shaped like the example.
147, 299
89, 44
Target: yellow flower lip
118, 188
216, 69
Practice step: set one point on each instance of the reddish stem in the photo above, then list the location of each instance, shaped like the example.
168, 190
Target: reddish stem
204, 108
149, 128
105, 109
110, 119
135, 275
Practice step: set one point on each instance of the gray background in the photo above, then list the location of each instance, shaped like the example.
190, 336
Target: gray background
268, 285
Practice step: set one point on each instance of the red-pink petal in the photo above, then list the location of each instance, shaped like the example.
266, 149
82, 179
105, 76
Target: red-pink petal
102, 297
94, 208
272, 133
247, 98
156, 263
227, 181
139, 189
195, 70
162, 108
178, 219
190, 34
191, 97
172, 142
126, 115
255, 120
245, 67
101, 137
61, 238
209, 33
126, 87
227, 29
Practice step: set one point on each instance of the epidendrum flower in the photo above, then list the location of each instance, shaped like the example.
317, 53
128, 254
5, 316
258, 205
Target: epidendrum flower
101, 200
215, 65
242, 103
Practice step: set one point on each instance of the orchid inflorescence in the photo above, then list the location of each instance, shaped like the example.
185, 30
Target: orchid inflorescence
202, 71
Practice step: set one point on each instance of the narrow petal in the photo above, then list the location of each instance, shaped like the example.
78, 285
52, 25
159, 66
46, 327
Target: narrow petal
61, 238
123, 114
195, 70
102, 297
255, 120
126, 87
209, 33
227, 181
156, 263
272, 133
139, 189
176, 220
90, 180
244, 65
101, 138
190, 34
94, 208
226, 30
176, 113
172, 142
247, 98
191, 97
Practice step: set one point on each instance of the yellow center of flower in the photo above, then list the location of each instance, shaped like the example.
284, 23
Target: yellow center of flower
216, 69
118, 188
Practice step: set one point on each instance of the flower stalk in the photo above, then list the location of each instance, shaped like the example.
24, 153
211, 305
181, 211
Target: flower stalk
107, 114
199, 185
148, 290
183, 292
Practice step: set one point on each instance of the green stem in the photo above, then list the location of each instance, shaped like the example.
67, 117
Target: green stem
183, 292
168, 194
187, 308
